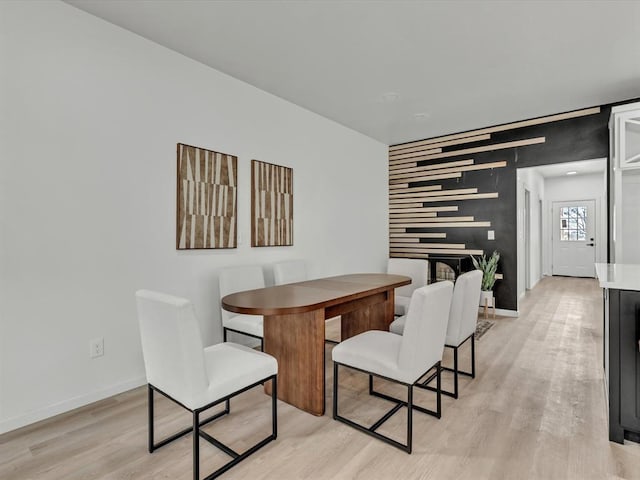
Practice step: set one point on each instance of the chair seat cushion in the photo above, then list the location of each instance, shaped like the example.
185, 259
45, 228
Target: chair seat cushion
252, 324
373, 351
397, 326
231, 367
401, 306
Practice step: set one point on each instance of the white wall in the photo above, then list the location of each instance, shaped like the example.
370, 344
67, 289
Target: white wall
91, 115
529, 179
576, 187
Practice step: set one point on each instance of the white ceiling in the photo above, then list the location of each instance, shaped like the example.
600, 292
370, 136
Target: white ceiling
465, 64
584, 167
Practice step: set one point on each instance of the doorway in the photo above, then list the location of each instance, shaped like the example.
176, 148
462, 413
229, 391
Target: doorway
527, 238
573, 238
538, 189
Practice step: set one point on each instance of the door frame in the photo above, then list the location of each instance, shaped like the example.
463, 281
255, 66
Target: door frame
599, 234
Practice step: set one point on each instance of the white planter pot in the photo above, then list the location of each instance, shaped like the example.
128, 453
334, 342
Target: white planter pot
486, 298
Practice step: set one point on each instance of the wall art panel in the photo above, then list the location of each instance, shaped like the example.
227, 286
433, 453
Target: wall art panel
271, 205
207, 199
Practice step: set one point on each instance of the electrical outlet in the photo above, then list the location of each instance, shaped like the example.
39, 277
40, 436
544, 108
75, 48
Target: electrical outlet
96, 347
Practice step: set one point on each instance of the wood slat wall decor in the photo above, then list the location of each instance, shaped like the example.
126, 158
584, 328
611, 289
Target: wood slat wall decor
206, 213
430, 188
421, 195
413, 154
409, 255
428, 224
431, 177
413, 215
499, 128
271, 205
393, 154
417, 235
447, 198
459, 246
444, 208
484, 148
438, 219
440, 251
408, 199
481, 166
433, 166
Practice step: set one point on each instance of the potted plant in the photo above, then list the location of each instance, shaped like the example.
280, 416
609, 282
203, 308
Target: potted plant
488, 267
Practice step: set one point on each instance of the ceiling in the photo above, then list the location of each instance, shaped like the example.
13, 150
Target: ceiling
584, 167
458, 65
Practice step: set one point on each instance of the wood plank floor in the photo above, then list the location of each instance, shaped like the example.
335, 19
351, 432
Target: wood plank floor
536, 410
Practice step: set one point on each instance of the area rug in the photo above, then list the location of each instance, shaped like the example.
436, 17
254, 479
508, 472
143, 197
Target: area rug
481, 328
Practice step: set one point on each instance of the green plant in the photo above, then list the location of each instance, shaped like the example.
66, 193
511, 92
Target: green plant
488, 266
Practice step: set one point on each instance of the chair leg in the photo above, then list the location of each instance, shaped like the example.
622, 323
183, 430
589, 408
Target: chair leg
224, 334
150, 415
455, 372
196, 446
409, 418
399, 404
439, 390
274, 407
473, 356
335, 390
262, 344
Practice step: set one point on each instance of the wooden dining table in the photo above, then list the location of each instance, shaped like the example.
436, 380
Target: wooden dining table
294, 325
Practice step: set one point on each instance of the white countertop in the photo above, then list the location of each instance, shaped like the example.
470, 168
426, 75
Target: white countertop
621, 276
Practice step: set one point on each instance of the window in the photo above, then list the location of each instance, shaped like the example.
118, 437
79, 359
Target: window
573, 224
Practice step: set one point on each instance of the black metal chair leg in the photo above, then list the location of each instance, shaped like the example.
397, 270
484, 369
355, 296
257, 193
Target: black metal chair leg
224, 334
262, 344
150, 414
274, 407
439, 390
335, 391
196, 446
409, 418
455, 372
473, 356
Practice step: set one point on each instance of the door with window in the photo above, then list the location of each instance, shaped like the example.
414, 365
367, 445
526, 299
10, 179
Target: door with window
574, 246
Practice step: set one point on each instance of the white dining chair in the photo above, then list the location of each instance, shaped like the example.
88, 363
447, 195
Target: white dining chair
401, 359
290, 271
462, 323
196, 378
461, 327
239, 279
415, 268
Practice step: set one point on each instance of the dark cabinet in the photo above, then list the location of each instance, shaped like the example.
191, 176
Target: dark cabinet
624, 365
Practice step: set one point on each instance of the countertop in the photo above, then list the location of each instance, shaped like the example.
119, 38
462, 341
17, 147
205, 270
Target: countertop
620, 276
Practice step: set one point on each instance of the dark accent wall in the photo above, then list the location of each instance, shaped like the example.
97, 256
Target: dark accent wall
573, 139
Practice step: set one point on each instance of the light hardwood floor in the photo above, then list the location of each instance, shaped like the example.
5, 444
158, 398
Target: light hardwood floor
535, 410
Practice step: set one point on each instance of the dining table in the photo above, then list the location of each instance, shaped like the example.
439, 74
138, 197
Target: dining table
294, 325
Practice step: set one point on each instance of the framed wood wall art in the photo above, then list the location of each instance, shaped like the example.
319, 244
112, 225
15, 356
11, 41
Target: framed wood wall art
207, 199
271, 205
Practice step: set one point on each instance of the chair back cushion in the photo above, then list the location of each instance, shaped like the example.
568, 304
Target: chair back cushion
464, 308
411, 267
290, 271
425, 328
239, 279
171, 345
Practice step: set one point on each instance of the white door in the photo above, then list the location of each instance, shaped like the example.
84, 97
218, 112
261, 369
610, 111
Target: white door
574, 246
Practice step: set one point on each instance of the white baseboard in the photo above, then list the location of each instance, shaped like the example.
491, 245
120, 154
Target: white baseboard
67, 405
500, 311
